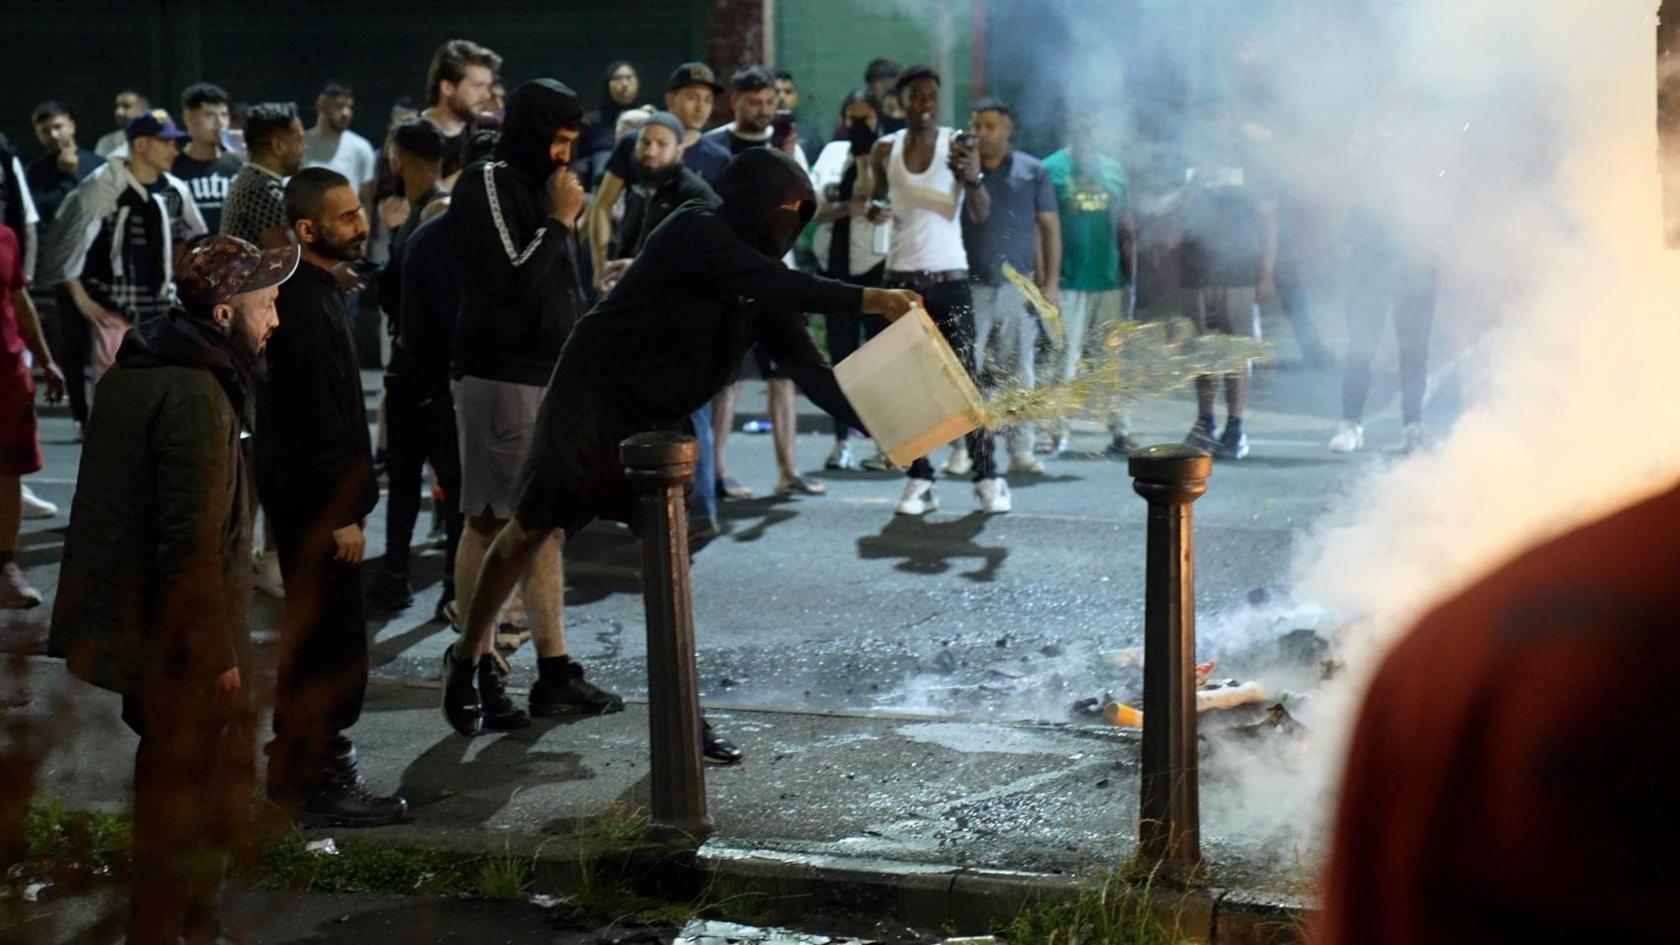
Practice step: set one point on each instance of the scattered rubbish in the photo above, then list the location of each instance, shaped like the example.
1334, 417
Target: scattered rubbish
727, 683
756, 426
1050, 650
545, 901
322, 847
1228, 694
1002, 643
972, 940
1086, 708
1118, 713
1303, 647
34, 892
1103, 783
1277, 721
945, 662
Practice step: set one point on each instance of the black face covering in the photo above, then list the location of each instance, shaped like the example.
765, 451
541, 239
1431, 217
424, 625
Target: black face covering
779, 231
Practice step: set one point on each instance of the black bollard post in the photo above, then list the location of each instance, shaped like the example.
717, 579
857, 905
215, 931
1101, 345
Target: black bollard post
660, 465
1169, 831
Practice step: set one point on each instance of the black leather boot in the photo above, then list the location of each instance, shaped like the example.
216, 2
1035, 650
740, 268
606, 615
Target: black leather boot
499, 712
343, 799
461, 704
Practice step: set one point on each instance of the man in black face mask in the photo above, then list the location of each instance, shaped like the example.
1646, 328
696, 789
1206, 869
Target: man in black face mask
669, 337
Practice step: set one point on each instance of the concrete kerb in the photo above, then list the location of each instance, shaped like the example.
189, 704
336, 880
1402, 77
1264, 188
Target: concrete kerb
785, 885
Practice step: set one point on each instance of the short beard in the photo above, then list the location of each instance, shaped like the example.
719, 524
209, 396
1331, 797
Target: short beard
347, 251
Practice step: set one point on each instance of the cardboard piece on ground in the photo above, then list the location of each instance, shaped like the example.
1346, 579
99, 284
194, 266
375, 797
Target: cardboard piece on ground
910, 390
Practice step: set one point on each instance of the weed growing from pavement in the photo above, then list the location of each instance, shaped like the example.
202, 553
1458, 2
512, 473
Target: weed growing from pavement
503, 876
1120, 909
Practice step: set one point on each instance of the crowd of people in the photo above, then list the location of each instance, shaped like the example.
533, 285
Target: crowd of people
552, 280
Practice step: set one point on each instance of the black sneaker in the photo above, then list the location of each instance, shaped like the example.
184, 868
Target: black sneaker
571, 694
460, 695
1233, 444
1121, 446
388, 594
1201, 437
343, 799
717, 750
500, 713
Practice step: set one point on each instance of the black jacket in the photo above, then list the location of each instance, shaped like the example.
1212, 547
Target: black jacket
155, 587
520, 292
314, 461
674, 330
646, 208
707, 286
426, 324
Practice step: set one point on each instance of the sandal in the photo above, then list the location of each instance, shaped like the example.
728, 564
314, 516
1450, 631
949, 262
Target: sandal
799, 485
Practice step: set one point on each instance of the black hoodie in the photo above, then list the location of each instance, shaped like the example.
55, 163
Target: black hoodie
708, 284
520, 292
156, 580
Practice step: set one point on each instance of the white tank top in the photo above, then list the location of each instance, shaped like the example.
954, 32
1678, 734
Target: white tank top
927, 211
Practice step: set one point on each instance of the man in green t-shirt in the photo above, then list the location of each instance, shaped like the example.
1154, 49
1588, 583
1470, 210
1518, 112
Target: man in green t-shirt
1098, 260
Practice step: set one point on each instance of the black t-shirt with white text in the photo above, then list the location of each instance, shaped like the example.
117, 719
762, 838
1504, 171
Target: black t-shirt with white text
209, 182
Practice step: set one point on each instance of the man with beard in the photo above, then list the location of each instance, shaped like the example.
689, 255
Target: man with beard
668, 338
315, 477
332, 144
664, 184
513, 220
459, 84
155, 591
255, 210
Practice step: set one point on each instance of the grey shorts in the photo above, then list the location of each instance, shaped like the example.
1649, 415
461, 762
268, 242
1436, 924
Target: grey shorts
495, 420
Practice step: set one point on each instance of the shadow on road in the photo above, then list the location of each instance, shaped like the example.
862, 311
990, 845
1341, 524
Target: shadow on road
931, 547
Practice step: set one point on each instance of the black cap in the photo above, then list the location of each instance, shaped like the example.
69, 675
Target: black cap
150, 126
693, 73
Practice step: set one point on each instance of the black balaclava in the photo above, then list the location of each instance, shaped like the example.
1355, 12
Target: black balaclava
535, 111
755, 186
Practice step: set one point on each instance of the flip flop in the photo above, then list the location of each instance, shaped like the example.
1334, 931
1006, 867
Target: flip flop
730, 488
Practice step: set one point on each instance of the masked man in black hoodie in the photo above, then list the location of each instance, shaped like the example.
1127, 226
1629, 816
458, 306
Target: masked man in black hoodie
514, 219
669, 337
155, 588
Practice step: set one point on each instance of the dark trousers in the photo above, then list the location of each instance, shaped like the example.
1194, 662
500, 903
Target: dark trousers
846, 332
419, 429
72, 348
323, 667
1393, 285
1297, 286
193, 774
951, 306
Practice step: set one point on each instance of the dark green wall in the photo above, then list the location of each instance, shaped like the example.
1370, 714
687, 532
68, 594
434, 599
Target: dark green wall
82, 51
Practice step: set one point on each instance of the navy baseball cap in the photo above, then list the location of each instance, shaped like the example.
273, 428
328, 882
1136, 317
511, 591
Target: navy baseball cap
150, 126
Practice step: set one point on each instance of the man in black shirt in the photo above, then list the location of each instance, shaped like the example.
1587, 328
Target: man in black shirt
205, 163
51, 179
315, 476
416, 155
57, 172
752, 97
663, 185
459, 85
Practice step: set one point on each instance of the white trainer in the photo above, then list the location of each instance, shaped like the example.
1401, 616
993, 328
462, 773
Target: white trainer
1025, 463
841, 457
993, 495
34, 506
265, 569
918, 498
959, 463
1349, 437
1417, 437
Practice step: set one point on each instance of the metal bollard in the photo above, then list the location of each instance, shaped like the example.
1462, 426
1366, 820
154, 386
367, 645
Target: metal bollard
1169, 831
660, 465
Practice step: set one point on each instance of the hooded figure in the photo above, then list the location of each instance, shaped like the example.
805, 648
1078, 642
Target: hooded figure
673, 333
520, 292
